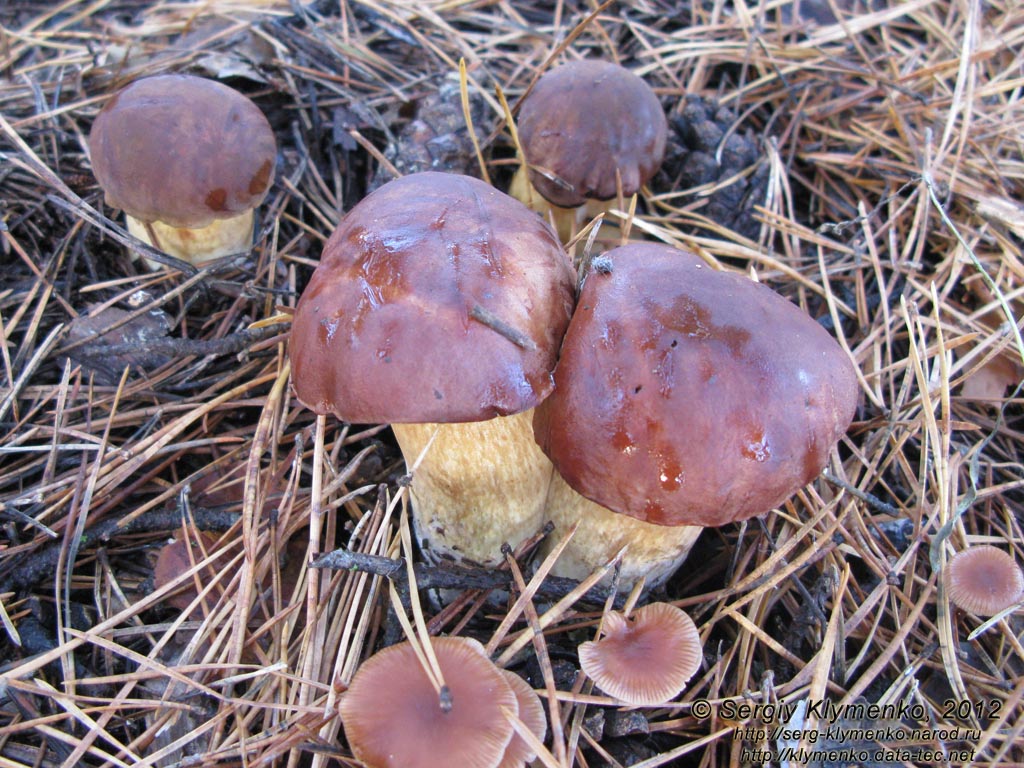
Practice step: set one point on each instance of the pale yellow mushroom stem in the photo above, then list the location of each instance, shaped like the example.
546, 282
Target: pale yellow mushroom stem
566, 221
221, 238
653, 552
479, 485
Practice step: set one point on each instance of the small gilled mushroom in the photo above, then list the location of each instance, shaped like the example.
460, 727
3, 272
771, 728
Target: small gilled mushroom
984, 580
178, 556
531, 714
684, 396
587, 128
438, 306
646, 659
188, 160
393, 716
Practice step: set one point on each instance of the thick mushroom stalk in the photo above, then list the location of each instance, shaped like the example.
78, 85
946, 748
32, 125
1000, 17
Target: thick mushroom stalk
653, 552
588, 130
196, 245
441, 301
479, 484
685, 396
188, 160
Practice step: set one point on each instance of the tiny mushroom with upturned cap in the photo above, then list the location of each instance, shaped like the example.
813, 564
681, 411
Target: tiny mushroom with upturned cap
394, 718
188, 160
984, 580
684, 396
531, 714
438, 306
646, 659
587, 128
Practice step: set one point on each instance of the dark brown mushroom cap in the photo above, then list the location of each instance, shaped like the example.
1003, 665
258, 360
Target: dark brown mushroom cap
393, 719
688, 396
183, 150
438, 299
984, 580
582, 121
646, 659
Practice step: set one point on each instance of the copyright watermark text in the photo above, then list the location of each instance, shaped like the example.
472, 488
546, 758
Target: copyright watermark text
812, 731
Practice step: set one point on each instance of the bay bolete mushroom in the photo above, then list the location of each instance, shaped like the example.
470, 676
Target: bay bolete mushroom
188, 160
587, 128
984, 580
438, 306
684, 396
394, 718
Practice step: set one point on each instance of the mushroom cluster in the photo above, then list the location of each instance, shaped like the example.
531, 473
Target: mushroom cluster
438, 306
188, 160
683, 397
394, 717
589, 130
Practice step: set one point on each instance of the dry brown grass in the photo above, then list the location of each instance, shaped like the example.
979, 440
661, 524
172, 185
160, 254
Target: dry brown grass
894, 145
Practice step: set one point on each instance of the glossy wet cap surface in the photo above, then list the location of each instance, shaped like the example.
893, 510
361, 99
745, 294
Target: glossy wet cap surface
583, 121
688, 396
438, 299
183, 150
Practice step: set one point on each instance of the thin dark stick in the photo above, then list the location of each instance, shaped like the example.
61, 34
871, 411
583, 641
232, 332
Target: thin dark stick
43, 562
868, 498
448, 576
80, 208
228, 345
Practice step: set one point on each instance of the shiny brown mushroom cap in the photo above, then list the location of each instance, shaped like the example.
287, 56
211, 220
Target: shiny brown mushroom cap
984, 580
646, 659
438, 299
583, 121
393, 719
688, 396
183, 150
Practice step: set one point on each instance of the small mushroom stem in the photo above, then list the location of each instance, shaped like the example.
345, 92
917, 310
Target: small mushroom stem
479, 485
221, 238
567, 221
653, 552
